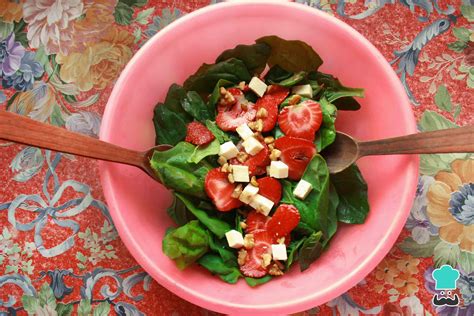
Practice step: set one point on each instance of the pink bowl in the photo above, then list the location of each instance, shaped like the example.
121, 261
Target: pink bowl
138, 204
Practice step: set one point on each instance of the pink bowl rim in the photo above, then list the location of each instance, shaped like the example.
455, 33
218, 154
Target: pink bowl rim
304, 302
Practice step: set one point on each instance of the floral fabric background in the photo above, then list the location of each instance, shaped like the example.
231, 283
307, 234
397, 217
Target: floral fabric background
59, 251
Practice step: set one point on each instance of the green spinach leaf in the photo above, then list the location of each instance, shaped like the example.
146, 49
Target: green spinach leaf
327, 132
203, 151
215, 225
293, 250
170, 128
277, 74
293, 56
186, 244
254, 56
332, 214
216, 93
253, 282
353, 199
176, 94
220, 247
179, 213
207, 76
175, 172
293, 80
219, 134
310, 250
217, 266
195, 106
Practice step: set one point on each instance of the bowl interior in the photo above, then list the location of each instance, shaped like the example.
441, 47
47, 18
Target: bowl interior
138, 204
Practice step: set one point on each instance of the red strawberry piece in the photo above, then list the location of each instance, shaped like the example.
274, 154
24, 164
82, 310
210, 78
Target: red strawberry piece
296, 153
270, 188
198, 134
219, 189
257, 164
255, 222
301, 120
253, 263
270, 102
231, 116
285, 219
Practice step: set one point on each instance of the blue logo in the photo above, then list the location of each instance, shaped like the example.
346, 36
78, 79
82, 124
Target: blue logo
445, 278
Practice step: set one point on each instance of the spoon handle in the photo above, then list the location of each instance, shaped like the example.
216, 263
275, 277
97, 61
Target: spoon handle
453, 140
20, 129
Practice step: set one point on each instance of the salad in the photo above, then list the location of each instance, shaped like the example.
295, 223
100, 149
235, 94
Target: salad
252, 194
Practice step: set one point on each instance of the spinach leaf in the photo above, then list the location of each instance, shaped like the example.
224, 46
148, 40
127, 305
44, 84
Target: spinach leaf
293, 80
215, 225
238, 219
327, 132
336, 93
174, 97
203, 151
310, 250
353, 200
207, 76
170, 128
314, 209
292, 56
332, 214
179, 213
292, 250
175, 172
277, 132
254, 56
219, 134
216, 265
186, 244
216, 93
253, 282
251, 96
195, 106
220, 246
277, 74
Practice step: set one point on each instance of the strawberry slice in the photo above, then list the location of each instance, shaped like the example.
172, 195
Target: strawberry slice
285, 219
256, 222
253, 263
198, 134
270, 102
257, 164
301, 120
296, 153
270, 188
219, 189
230, 116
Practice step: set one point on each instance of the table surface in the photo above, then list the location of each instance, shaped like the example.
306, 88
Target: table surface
58, 247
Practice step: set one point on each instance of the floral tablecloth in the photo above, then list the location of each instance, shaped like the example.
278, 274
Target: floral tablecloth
59, 251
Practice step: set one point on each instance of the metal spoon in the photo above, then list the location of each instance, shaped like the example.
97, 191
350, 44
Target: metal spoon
347, 150
20, 129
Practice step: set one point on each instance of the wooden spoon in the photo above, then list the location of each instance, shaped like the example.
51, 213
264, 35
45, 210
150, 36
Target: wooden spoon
346, 150
20, 129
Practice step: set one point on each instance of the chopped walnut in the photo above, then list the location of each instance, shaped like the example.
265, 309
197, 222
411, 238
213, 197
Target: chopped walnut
275, 154
295, 100
221, 160
281, 240
259, 125
230, 177
262, 113
225, 167
249, 241
266, 259
242, 85
253, 181
269, 140
237, 191
242, 257
243, 225
242, 157
275, 270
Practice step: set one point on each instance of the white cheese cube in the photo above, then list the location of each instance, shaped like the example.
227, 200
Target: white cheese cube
244, 131
240, 173
302, 189
278, 169
303, 90
261, 204
248, 193
228, 150
252, 146
279, 252
234, 239
258, 86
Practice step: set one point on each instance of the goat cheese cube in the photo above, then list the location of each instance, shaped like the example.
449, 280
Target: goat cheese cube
234, 239
302, 189
252, 146
248, 193
258, 86
261, 204
244, 131
279, 252
228, 150
303, 90
240, 173
278, 169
